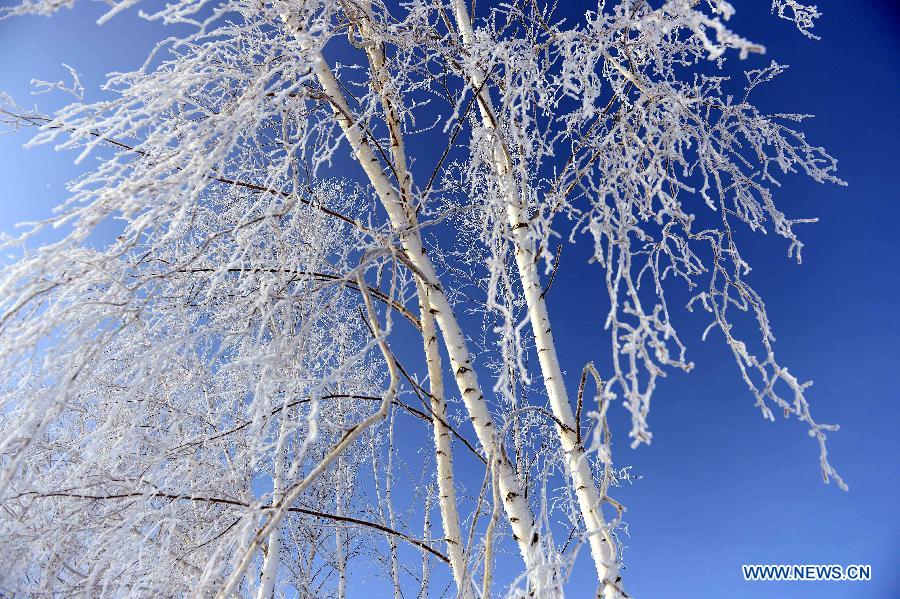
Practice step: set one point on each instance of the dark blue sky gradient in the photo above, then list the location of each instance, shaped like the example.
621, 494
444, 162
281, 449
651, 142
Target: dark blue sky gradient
720, 486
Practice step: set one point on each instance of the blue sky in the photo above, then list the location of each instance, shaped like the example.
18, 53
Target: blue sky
720, 486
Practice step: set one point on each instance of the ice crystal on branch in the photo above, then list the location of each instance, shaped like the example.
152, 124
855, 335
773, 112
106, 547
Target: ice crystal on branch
340, 222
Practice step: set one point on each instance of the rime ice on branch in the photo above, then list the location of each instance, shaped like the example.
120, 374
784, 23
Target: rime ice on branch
210, 403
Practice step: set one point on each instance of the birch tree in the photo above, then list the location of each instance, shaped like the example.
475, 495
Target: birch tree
218, 401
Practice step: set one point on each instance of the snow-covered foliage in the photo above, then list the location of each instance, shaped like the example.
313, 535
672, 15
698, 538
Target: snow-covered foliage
206, 405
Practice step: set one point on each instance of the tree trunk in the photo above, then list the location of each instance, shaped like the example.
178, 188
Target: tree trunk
514, 501
443, 453
589, 500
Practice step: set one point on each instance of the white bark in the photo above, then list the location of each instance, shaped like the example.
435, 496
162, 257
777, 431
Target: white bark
389, 501
489, 534
271, 563
514, 501
442, 442
340, 538
443, 453
426, 533
589, 500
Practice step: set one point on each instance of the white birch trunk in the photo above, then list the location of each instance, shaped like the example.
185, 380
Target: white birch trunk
340, 538
271, 562
443, 454
514, 501
589, 500
426, 534
442, 441
389, 500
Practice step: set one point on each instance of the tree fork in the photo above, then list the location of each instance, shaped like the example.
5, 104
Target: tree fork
515, 504
589, 499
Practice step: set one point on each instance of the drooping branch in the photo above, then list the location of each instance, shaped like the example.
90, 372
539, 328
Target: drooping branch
297, 489
261, 509
51, 124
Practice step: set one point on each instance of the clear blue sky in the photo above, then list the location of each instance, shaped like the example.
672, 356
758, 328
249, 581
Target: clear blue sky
720, 485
